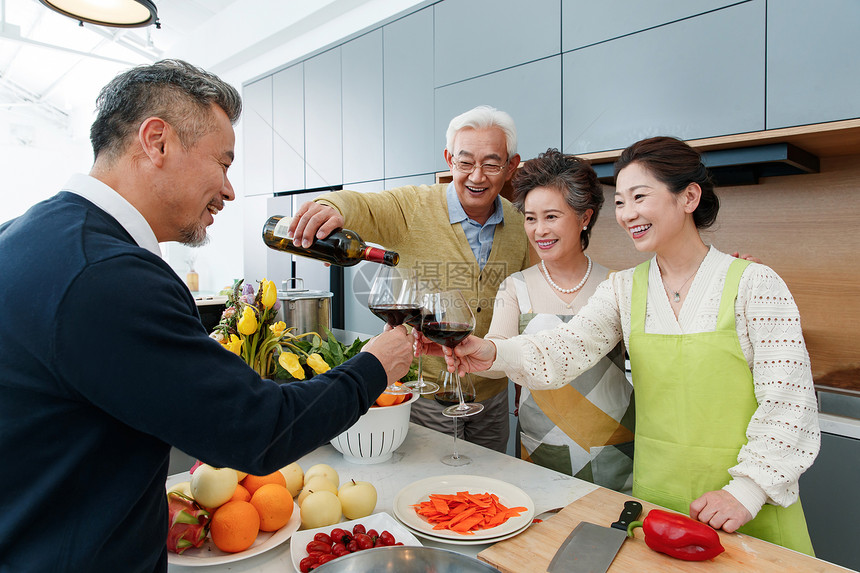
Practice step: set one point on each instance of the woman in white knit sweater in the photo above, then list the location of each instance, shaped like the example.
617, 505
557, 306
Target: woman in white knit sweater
726, 417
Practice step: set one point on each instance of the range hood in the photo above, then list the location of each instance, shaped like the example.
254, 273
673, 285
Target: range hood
744, 166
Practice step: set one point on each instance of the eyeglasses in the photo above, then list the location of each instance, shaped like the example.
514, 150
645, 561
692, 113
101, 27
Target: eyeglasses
469, 167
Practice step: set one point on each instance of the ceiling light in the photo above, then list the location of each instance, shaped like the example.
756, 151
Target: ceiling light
115, 13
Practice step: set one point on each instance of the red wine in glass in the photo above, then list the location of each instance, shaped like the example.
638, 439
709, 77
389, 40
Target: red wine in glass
448, 334
451, 398
396, 314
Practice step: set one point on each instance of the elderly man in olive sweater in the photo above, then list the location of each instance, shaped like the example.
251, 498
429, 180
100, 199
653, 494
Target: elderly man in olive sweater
105, 364
459, 236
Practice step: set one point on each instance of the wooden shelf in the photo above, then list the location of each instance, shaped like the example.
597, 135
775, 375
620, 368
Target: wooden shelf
822, 139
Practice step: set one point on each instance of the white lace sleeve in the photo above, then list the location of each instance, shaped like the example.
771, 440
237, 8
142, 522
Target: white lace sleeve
783, 434
553, 358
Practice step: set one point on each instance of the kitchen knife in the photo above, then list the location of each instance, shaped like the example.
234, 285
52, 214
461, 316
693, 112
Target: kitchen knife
591, 548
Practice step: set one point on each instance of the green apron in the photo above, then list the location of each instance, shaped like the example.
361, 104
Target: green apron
694, 400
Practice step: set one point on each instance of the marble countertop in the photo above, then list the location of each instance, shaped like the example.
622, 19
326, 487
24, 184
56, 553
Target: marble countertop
419, 458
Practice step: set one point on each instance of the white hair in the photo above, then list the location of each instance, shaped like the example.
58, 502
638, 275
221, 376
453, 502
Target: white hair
482, 117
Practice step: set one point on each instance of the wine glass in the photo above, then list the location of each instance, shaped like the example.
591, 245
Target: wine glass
394, 299
450, 395
448, 321
421, 386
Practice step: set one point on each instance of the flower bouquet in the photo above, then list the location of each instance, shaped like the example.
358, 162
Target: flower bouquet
249, 328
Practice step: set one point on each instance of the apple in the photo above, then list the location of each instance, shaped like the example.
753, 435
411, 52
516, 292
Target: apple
357, 498
320, 509
295, 478
323, 469
183, 487
212, 487
317, 483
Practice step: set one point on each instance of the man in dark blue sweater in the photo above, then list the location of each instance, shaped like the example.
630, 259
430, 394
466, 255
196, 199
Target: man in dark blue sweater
104, 363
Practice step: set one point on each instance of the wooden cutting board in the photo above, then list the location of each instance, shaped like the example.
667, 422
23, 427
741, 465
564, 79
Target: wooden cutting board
532, 550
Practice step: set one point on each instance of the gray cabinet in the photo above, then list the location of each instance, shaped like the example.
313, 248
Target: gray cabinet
323, 135
477, 37
699, 77
813, 62
257, 131
363, 152
530, 93
408, 92
288, 128
585, 22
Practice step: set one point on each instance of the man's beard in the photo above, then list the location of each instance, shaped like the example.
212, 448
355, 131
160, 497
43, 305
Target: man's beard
193, 235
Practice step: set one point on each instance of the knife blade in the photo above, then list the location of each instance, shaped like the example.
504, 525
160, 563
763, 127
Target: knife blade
591, 548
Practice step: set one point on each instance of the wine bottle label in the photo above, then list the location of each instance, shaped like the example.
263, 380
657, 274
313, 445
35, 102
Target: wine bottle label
281, 228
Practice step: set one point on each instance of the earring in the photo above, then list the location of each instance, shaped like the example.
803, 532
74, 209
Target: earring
585, 228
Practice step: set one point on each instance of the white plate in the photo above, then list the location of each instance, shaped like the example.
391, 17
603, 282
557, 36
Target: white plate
378, 521
208, 554
466, 541
509, 496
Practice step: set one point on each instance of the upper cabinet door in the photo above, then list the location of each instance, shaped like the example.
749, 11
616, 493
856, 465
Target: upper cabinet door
323, 135
408, 90
530, 93
475, 37
288, 126
813, 61
363, 153
585, 22
257, 129
699, 77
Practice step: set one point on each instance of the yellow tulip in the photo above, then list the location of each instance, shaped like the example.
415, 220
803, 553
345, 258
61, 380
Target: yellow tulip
319, 365
248, 323
270, 293
291, 363
278, 328
234, 345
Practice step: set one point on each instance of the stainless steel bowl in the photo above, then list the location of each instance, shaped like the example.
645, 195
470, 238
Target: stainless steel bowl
405, 559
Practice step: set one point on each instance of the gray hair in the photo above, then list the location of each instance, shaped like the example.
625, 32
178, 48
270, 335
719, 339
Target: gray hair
173, 90
482, 117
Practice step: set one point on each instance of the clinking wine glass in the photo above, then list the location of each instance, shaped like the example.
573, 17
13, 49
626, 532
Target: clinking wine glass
448, 321
421, 386
450, 395
394, 299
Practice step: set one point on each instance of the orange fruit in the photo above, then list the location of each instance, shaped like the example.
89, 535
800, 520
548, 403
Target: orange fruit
274, 504
234, 526
252, 483
390, 399
241, 494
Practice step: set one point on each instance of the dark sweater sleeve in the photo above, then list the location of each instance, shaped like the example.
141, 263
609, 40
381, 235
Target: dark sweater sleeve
128, 340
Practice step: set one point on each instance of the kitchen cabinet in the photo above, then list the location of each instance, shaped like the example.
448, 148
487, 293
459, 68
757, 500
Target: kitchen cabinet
584, 23
288, 129
255, 251
323, 134
530, 93
461, 53
685, 79
813, 68
257, 132
408, 93
363, 151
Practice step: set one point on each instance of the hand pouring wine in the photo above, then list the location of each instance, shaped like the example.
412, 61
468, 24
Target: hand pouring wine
591, 548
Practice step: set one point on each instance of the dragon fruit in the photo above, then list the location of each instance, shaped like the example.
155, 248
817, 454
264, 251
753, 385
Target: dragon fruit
189, 523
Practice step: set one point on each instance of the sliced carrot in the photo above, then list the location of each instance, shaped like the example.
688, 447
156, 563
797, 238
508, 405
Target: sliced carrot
465, 512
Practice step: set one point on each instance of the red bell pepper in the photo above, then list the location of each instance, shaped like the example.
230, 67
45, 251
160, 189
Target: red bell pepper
678, 536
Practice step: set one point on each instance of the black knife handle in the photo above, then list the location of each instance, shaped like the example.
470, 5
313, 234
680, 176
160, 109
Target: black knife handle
632, 511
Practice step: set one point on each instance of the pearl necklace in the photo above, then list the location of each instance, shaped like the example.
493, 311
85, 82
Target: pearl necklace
567, 290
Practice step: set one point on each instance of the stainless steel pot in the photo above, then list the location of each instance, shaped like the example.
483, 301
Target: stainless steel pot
406, 559
306, 310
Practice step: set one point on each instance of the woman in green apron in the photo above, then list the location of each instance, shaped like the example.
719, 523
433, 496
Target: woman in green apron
726, 417
584, 428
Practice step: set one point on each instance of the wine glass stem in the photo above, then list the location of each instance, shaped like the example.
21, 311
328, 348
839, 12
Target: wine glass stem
459, 390
420, 373
455, 455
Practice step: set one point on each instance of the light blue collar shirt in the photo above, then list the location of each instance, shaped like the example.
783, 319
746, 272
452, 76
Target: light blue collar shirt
480, 237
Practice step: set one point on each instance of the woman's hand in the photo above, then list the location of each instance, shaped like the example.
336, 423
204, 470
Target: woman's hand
746, 257
473, 354
720, 510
